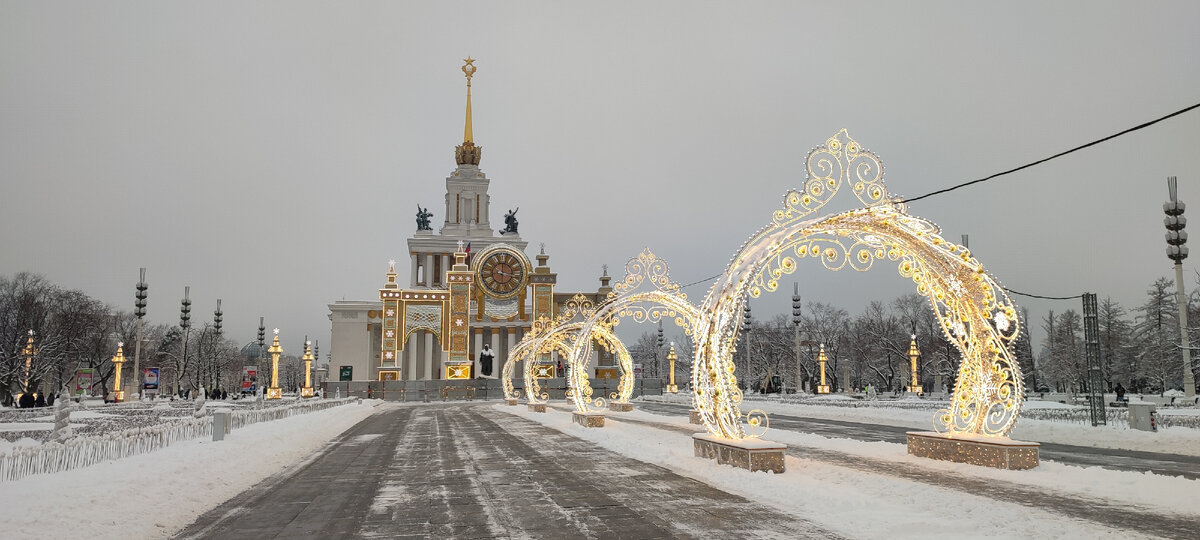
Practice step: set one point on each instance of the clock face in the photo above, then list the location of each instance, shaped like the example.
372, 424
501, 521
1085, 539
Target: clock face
502, 274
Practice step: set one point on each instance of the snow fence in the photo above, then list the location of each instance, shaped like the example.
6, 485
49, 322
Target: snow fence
52, 457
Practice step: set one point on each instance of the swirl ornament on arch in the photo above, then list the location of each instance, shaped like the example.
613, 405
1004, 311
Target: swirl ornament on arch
973, 310
645, 294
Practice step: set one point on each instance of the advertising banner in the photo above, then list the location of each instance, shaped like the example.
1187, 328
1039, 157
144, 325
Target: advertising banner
250, 379
83, 381
150, 381
346, 373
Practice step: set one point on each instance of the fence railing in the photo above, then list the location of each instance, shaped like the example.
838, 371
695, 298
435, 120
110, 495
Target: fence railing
77, 452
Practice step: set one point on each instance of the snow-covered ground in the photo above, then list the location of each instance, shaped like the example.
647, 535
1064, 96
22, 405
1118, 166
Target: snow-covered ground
154, 495
1175, 440
870, 505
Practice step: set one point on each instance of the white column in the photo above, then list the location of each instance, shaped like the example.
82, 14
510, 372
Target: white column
412, 278
428, 354
410, 360
494, 341
478, 341
447, 260
512, 342
429, 277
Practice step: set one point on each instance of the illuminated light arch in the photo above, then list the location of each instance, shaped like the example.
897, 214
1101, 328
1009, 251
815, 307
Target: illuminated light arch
973, 310
646, 294
557, 336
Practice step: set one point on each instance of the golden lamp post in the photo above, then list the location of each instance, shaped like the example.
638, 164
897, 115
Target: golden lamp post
273, 392
307, 391
671, 356
823, 388
28, 352
913, 354
117, 360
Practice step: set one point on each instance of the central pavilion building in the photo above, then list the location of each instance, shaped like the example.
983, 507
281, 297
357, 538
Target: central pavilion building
434, 325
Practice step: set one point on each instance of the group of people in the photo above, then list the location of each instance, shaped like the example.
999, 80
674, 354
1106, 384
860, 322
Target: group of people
30, 401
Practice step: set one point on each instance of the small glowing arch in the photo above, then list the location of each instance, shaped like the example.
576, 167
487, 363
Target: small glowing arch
646, 294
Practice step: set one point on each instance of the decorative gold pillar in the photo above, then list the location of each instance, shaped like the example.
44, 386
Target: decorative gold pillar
913, 355
823, 388
273, 391
307, 390
671, 357
458, 362
117, 360
392, 342
542, 281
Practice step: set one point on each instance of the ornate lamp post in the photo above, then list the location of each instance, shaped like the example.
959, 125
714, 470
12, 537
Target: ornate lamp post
118, 360
1177, 251
262, 339
822, 388
913, 355
671, 357
307, 390
28, 352
273, 392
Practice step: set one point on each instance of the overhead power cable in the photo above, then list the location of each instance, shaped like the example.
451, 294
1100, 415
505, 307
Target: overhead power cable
1044, 297
710, 278
1060, 154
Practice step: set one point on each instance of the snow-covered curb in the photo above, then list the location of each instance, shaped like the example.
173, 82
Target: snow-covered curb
154, 495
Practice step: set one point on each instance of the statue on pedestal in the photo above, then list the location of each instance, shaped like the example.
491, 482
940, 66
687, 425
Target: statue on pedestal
423, 215
510, 221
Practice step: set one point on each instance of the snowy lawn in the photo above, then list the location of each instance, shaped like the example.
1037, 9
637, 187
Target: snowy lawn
154, 495
1175, 440
865, 504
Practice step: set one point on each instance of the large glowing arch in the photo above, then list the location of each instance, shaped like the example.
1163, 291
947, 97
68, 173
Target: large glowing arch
646, 294
974, 311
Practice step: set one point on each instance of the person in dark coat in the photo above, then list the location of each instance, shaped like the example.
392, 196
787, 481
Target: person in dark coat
40, 401
486, 356
26, 401
1120, 392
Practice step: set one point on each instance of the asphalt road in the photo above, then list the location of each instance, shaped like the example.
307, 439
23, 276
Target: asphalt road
1122, 460
450, 471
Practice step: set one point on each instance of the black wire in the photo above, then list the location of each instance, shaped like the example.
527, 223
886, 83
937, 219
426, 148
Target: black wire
1044, 297
1060, 154
703, 280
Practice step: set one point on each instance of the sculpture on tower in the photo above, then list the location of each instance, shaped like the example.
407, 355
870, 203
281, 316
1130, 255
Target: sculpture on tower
510, 221
423, 215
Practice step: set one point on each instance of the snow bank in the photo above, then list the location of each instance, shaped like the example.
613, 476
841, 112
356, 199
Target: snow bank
154, 495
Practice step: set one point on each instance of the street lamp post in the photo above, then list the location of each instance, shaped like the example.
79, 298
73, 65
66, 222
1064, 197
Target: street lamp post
914, 384
796, 317
118, 360
658, 352
671, 357
823, 388
273, 392
140, 311
1177, 251
185, 323
307, 391
262, 338
217, 317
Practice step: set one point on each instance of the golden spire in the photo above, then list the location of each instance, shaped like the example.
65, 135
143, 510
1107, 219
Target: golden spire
469, 70
467, 153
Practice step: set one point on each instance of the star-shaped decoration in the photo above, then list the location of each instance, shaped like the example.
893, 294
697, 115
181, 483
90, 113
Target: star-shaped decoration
120, 344
277, 331
458, 322
460, 245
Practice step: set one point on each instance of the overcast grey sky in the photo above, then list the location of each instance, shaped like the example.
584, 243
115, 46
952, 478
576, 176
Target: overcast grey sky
271, 153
